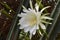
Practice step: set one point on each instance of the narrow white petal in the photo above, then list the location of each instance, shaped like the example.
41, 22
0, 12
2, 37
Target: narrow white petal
31, 11
40, 33
45, 14
31, 4
30, 35
44, 9
42, 26
37, 27
45, 22
45, 17
23, 7
36, 7
34, 32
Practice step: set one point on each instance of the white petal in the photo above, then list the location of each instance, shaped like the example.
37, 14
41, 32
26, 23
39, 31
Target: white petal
30, 35
24, 7
40, 33
23, 26
21, 15
18, 23
34, 32
26, 29
45, 22
44, 9
25, 10
23, 21
45, 17
42, 26
36, 7
45, 14
31, 4
32, 29
37, 27
31, 11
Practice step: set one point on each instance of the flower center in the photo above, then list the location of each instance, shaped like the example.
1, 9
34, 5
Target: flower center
32, 20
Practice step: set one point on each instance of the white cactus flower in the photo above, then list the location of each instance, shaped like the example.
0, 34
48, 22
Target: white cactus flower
31, 19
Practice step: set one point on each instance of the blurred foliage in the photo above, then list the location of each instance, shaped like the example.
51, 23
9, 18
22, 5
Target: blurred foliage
6, 9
